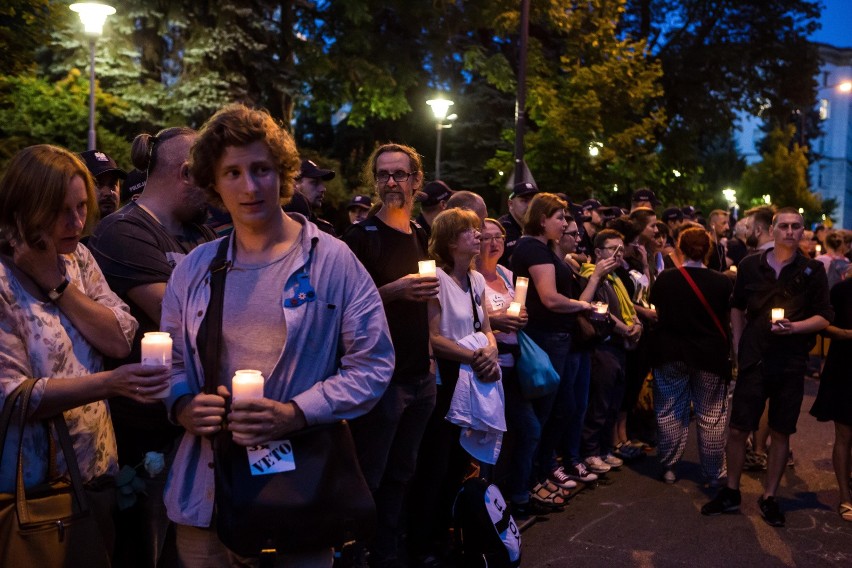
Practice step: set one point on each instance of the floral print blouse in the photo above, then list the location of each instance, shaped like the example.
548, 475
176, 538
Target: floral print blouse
37, 340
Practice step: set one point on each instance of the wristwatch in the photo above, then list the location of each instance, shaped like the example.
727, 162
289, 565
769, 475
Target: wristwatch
57, 292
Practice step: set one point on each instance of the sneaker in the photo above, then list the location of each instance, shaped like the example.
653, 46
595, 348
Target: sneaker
669, 476
562, 479
627, 451
578, 472
612, 461
771, 512
597, 465
727, 500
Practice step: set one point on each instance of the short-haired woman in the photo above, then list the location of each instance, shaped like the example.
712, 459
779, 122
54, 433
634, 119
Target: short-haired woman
689, 354
59, 317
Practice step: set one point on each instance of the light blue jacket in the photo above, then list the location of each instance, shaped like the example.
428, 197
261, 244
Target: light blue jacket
336, 363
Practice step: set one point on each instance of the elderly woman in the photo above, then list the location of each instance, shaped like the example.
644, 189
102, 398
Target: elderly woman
689, 353
60, 317
456, 317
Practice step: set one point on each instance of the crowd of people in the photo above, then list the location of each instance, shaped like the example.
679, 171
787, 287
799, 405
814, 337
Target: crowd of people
354, 328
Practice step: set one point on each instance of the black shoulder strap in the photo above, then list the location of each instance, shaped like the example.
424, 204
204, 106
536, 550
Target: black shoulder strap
210, 332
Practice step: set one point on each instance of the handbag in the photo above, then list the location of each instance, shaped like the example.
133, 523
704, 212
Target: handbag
536, 375
51, 525
323, 502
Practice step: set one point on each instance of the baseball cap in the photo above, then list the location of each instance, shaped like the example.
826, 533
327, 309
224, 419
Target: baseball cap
99, 163
135, 183
310, 169
591, 205
433, 193
689, 212
672, 214
523, 189
645, 195
360, 201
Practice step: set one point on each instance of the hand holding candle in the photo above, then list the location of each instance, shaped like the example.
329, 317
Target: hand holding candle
157, 350
247, 384
521, 285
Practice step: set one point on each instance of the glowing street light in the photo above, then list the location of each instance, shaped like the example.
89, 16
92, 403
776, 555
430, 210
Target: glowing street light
845, 87
730, 196
93, 15
595, 149
439, 108
767, 199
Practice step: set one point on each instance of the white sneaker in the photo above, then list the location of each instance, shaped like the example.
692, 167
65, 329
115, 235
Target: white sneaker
580, 473
561, 479
612, 461
597, 465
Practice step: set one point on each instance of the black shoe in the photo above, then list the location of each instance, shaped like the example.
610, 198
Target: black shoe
727, 500
529, 509
771, 512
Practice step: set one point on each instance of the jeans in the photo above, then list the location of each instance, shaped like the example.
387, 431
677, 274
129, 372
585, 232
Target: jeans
388, 439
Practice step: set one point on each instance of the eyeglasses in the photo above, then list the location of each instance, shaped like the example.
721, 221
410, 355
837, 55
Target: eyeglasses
398, 176
498, 238
574, 234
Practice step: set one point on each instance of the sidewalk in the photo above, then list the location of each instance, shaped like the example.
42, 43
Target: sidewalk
632, 519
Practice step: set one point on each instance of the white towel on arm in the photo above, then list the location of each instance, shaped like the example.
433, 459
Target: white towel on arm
479, 408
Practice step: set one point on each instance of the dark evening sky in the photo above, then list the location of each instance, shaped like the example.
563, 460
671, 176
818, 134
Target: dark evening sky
836, 23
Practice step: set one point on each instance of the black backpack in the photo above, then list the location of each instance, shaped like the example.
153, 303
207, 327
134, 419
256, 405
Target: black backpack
486, 534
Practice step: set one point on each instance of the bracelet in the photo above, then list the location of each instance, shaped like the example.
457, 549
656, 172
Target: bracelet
56, 293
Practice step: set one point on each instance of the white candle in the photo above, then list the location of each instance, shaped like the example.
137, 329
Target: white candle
777, 314
521, 286
427, 268
157, 350
247, 384
653, 307
514, 309
600, 307
733, 269
818, 249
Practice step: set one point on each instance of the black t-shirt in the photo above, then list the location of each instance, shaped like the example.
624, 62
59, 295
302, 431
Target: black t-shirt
685, 331
513, 233
801, 289
388, 255
531, 252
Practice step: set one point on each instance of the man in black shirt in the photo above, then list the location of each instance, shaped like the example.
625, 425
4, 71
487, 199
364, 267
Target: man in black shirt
310, 191
519, 200
390, 245
772, 354
433, 200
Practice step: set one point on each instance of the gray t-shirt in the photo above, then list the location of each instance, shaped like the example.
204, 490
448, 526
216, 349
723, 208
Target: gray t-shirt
254, 328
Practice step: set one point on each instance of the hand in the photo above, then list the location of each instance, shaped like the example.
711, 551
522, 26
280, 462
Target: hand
260, 420
605, 266
583, 305
484, 359
40, 261
416, 288
633, 332
782, 327
501, 321
139, 382
202, 414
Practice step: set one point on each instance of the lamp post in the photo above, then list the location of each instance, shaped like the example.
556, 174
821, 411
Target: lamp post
439, 109
92, 15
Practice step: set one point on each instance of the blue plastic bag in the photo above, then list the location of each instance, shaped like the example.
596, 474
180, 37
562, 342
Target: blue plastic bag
536, 374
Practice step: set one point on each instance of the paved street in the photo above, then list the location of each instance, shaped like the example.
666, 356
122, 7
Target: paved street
633, 519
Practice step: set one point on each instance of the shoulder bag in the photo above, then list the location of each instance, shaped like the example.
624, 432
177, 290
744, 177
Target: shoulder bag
536, 375
322, 503
51, 525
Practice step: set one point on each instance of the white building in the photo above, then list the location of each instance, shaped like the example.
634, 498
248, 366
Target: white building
831, 170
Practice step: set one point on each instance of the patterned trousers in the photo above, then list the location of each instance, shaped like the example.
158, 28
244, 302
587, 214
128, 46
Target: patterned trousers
676, 385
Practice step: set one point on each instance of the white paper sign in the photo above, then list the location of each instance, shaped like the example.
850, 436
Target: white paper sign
272, 457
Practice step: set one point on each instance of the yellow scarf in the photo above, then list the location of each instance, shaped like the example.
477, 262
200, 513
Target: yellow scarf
625, 304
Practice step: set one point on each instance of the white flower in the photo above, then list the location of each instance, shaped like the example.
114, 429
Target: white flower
154, 463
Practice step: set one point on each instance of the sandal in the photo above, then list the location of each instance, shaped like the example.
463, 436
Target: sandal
845, 511
549, 498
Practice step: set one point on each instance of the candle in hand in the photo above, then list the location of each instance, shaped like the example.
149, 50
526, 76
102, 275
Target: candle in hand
514, 309
427, 268
600, 307
247, 384
521, 285
157, 350
777, 314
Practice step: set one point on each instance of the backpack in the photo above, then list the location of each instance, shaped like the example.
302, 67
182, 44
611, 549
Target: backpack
486, 534
374, 251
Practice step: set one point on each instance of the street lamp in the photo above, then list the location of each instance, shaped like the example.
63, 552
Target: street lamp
92, 15
595, 149
439, 109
